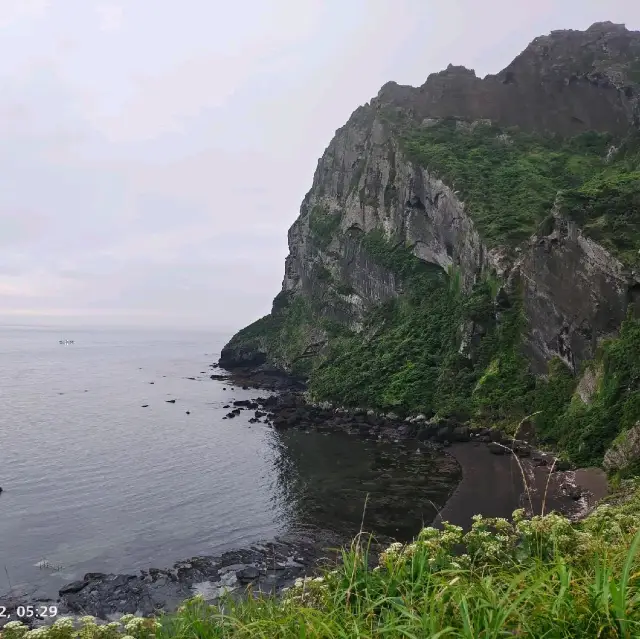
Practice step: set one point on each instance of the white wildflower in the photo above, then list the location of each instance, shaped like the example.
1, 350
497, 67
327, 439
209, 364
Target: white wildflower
63, 622
134, 624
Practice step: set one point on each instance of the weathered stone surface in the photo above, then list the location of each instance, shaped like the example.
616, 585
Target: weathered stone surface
575, 294
588, 384
73, 587
624, 451
566, 82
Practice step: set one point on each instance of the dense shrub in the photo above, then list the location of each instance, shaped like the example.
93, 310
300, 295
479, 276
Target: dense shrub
509, 180
585, 431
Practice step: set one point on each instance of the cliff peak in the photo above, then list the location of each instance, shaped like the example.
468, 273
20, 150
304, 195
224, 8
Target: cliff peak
565, 82
607, 26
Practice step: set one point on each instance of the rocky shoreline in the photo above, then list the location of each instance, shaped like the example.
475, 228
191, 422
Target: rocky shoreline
538, 481
498, 475
267, 567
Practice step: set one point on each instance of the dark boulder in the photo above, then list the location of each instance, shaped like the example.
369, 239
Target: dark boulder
574, 492
74, 586
247, 574
461, 434
497, 449
90, 576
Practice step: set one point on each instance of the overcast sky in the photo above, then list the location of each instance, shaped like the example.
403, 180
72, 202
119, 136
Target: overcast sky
153, 153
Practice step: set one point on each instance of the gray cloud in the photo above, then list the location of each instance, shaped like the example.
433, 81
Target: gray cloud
154, 154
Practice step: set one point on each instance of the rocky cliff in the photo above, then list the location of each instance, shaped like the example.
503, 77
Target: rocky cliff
465, 233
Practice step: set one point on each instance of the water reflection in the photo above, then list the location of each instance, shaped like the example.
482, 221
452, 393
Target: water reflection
323, 482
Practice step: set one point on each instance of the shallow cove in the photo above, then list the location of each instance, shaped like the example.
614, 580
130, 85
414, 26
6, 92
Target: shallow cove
95, 482
340, 482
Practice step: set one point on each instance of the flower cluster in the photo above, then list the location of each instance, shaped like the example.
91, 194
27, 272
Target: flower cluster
308, 591
495, 541
86, 627
436, 545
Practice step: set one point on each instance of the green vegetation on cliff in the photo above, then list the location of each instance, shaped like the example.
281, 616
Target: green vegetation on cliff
434, 350
585, 430
323, 225
607, 206
509, 180
407, 357
280, 337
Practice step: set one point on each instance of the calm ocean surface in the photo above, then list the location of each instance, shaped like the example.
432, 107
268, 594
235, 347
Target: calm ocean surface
94, 482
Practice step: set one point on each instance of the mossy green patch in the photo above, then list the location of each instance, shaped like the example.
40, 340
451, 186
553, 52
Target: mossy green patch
553, 395
323, 225
585, 431
607, 208
509, 180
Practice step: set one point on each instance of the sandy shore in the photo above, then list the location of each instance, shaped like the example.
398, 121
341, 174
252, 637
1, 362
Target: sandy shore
493, 485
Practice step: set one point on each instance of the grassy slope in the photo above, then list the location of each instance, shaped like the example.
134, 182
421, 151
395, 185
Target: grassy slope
509, 180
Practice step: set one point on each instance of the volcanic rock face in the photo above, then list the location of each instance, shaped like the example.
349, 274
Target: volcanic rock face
575, 291
565, 82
